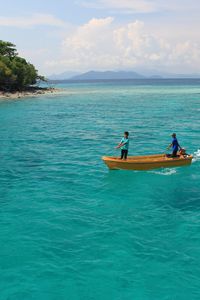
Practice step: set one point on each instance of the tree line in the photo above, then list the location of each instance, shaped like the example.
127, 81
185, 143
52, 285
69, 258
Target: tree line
16, 74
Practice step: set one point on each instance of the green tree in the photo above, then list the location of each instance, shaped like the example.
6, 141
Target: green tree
7, 49
15, 72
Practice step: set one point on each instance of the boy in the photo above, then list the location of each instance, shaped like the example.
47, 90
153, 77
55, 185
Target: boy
124, 144
174, 145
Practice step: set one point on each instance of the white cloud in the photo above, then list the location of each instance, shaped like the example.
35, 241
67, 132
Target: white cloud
31, 21
101, 44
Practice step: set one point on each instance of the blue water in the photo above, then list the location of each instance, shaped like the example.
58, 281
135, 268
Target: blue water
71, 229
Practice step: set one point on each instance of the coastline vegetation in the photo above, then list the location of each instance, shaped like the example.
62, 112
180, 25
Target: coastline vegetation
16, 74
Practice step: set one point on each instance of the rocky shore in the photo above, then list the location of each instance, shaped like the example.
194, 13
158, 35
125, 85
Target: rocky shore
30, 92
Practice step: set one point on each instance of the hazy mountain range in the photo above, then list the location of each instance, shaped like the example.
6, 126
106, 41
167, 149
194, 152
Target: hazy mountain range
63, 76
117, 75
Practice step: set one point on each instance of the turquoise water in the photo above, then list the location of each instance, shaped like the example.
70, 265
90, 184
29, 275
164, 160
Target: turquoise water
71, 229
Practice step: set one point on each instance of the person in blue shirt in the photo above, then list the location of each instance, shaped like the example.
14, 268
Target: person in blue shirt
124, 145
174, 145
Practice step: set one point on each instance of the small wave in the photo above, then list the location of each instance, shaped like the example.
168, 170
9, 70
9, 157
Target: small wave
196, 156
165, 172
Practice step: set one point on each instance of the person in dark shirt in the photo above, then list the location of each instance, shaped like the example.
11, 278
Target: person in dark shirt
174, 145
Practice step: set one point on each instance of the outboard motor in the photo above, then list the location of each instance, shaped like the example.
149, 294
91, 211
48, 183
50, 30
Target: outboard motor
182, 152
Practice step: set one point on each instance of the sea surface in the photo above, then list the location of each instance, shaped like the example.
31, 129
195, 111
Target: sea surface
70, 229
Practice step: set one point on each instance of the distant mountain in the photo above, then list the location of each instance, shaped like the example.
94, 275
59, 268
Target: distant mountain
63, 76
157, 74
155, 77
108, 75
119, 75
180, 76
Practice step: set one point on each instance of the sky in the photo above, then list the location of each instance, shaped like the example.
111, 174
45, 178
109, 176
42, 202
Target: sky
82, 35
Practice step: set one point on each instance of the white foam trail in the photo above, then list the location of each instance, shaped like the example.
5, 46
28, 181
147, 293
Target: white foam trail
196, 156
165, 172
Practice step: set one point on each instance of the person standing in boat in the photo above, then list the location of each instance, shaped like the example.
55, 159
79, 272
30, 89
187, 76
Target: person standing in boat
174, 145
124, 145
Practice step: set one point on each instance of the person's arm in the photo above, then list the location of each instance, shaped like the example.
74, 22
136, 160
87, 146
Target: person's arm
120, 145
169, 146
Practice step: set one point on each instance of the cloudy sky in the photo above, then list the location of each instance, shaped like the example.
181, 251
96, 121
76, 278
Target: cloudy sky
81, 35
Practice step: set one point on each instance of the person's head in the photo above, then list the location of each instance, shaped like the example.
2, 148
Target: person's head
182, 151
126, 134
174, 135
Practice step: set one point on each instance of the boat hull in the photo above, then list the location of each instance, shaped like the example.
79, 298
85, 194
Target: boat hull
150, 162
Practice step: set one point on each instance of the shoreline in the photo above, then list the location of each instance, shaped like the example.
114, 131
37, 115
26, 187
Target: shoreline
30, 92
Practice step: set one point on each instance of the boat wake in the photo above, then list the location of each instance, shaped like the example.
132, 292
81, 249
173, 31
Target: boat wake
196, 156
165, 172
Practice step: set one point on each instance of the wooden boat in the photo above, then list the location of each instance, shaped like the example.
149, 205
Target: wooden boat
148, 162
